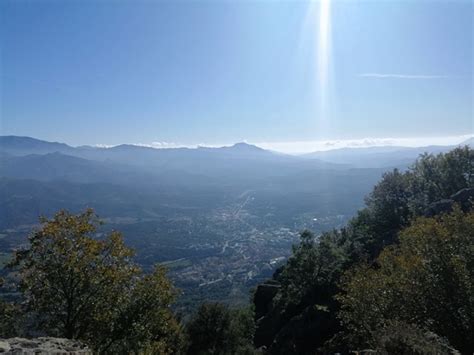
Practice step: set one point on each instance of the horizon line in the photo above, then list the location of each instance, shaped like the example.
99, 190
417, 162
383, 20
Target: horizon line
298, 147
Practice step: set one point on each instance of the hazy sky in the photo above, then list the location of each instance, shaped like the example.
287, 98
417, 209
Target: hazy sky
189, 72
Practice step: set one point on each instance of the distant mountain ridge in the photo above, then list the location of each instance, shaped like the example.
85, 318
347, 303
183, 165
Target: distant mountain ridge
211, 158
198, 204
380, 156
24, 143
20, 146
129, 180
17, 145
241, 158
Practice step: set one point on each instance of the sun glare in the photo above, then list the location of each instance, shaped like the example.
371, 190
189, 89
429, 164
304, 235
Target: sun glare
323, 62
323, 46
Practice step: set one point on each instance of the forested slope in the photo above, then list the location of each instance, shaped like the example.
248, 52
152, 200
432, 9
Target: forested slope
339, 289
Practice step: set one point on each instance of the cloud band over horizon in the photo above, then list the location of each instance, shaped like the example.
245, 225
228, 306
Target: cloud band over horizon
302, 147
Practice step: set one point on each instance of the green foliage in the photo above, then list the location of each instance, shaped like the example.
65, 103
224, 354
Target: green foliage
216, 329
312, 269
8, 317
400, 197
145, 320
433, 178
76, 286
302, 314
401, 338
427, 280
387, 210
311, 278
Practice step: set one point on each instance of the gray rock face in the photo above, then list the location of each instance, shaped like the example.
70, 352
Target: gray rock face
438, 207
263, 297
464, 198
43, 345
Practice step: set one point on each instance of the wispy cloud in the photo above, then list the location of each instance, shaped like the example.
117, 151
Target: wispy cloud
298, 147
161, 145
402, 76
165, 145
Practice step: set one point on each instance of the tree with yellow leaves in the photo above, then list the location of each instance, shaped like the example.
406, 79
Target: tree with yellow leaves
77, 286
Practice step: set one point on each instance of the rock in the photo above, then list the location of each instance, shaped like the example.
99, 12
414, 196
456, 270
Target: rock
266, 328
464, 197
267, 322
4, 347
43, 345
441, 206
263, 297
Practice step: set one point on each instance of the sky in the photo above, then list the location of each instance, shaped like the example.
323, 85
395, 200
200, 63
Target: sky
283, 74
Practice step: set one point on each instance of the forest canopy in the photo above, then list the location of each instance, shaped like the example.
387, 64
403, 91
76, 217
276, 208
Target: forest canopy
318, 299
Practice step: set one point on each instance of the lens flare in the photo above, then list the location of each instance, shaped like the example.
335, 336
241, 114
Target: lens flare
323, 45
323, 57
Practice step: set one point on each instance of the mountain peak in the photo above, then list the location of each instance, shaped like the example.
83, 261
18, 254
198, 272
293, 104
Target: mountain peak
28, 145
246, 146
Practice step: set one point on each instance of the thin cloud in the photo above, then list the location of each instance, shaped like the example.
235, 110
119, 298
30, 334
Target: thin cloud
165, 145
402, 76
299, 147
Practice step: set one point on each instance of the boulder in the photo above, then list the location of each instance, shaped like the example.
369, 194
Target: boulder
43, 345
263, 297
464, 197
438, 207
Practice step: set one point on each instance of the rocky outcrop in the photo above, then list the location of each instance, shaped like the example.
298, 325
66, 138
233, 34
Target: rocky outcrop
263, 297
464, 198
438, 207
267, 322
44, 346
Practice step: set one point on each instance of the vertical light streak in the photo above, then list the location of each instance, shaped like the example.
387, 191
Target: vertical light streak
323, 57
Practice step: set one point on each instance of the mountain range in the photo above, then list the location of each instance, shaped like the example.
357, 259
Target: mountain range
186, 158
186, 178
210, 213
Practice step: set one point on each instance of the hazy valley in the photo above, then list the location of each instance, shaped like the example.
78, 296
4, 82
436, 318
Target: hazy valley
221, 219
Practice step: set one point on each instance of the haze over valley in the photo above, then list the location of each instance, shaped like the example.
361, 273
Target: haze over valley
239, 177
222, 219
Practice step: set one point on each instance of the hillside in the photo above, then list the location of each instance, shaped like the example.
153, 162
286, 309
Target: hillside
228, 214
397, 278
331, 296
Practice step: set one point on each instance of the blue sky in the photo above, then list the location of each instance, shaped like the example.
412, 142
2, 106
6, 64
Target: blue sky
216, 72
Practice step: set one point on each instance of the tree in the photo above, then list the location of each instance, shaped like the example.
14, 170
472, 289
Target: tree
427, 281
311, 271
433, 178
216, 329
400, 197
146, 321
8, 317
300, 307
302, 313
80, 287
